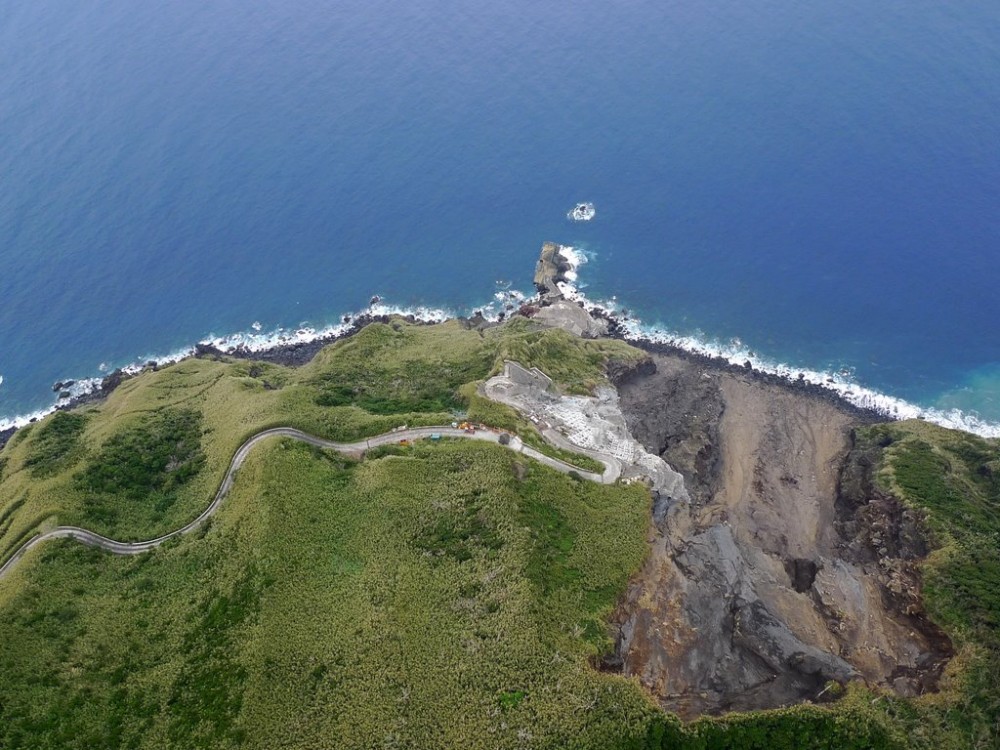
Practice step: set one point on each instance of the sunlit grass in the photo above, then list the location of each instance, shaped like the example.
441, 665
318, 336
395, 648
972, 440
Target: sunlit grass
437, 595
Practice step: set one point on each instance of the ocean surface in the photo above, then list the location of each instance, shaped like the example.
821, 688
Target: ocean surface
813, 184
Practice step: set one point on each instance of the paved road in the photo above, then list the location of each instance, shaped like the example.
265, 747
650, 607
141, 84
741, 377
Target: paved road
92, 539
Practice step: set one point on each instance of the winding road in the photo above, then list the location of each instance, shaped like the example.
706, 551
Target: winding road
611, 473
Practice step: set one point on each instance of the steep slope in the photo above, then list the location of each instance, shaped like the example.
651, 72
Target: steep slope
433, 595
755, 595
444, 595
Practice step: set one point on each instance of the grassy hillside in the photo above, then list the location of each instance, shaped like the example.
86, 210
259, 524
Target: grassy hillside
448, 595
953, 480
147, 460
441, 598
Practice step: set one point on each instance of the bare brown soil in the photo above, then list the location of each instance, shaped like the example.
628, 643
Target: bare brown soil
787, 570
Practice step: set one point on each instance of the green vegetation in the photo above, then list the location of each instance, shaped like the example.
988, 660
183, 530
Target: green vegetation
56, 444
436, 595
6, 520
140, 475
577, 364
532, 438
852, 726
386, 603
21, 435
951, 478
954, 480
139, 470
387, 371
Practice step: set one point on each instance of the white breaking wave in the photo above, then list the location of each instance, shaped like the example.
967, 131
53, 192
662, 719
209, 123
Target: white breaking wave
507, 300
575, 258
582, 212
737, 353
255, 339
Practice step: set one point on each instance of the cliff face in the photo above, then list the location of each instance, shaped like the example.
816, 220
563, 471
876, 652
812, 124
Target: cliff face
785, 571
781, 570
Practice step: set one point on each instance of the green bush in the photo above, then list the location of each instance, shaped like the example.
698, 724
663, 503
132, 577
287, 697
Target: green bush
145, 465
553, 540
56, 444
949, 476
535, 440
950, 479
384, 370
381, 603
20, 435
462, 530
799, 728
577, 365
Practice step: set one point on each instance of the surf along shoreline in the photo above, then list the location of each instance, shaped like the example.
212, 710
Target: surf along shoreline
301, 346
296, 354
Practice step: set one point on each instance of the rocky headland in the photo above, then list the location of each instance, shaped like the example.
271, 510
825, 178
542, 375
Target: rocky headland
781, 573
777, 571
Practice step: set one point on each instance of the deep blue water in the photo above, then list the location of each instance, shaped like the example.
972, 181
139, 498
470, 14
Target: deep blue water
820, 179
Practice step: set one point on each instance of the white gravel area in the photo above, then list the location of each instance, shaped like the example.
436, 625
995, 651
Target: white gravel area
592, 425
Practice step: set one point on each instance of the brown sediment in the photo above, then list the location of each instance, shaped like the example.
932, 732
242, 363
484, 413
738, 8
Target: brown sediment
788, 569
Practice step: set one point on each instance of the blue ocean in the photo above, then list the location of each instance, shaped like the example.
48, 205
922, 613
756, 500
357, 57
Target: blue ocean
814, 184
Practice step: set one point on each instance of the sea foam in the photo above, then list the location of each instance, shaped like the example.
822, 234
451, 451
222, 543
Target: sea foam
255, 339
735, 352
505, 301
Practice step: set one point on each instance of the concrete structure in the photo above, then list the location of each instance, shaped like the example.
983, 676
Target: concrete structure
533, 378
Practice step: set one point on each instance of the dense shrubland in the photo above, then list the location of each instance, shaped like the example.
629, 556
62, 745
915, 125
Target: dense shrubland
395, 601
56, 444
140, 469
953, 479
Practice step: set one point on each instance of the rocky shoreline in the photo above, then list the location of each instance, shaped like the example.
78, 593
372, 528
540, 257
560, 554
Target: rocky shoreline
550, 306
299, 353
778, 571
552, 280
799, 386
288, 354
